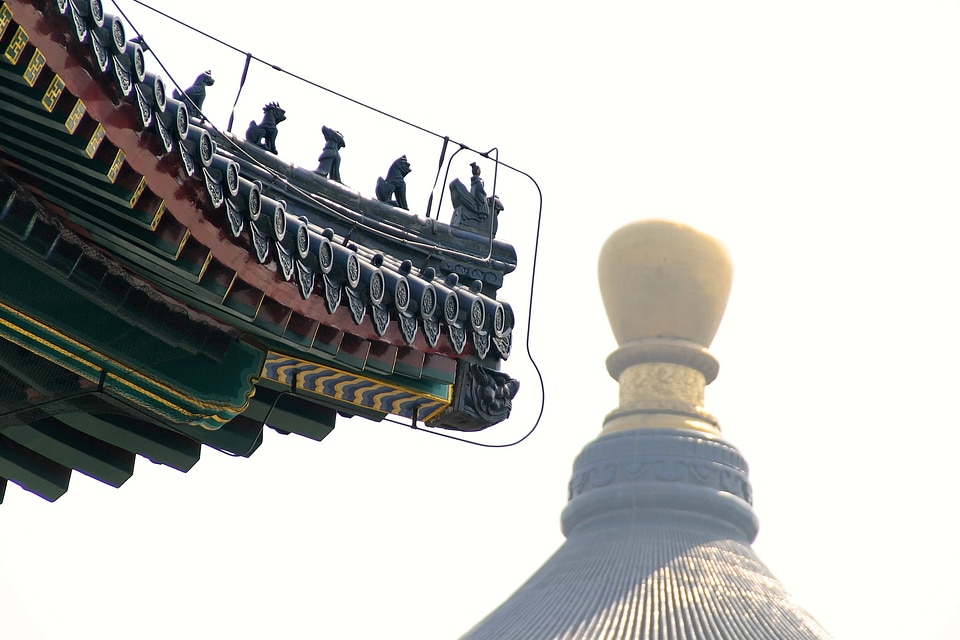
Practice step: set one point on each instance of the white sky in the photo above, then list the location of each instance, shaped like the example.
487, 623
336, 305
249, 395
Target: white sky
820, 141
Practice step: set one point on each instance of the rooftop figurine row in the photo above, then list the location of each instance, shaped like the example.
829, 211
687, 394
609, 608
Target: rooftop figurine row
473, 209
146, 249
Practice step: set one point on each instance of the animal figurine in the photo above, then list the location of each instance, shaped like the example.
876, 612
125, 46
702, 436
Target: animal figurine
195, 94
492, 392
394, 185
329, 166
264, 135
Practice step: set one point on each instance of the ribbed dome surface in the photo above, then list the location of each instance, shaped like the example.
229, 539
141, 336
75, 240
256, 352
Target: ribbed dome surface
658, 548
676, 579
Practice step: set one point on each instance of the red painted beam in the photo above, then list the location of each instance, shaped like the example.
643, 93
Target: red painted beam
183, 195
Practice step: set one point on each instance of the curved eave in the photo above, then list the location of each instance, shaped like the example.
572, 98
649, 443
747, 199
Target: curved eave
116, 319
130, 372
254, 290
82, 175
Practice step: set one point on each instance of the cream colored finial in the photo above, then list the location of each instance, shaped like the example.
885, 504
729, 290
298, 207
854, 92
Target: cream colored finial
665, 287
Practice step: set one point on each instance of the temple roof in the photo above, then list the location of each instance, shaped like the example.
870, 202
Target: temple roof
171, 276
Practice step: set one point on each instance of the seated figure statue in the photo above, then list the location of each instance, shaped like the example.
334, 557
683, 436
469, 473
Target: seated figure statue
473, 209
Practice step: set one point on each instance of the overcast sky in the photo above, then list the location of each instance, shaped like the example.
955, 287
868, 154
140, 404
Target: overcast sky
818, 140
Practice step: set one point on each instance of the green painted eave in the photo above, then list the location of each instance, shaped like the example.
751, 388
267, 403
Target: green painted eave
75, 324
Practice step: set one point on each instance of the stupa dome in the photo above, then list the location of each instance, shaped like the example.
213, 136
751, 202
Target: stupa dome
660, 521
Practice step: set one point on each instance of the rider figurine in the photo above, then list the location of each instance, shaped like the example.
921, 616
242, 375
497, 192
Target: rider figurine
476, 187
473, 209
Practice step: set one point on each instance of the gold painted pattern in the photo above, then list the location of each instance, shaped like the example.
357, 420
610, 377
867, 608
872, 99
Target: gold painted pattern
661, 381
183, 243
53, 93
69, 361
16, 46
75, 117
6, 18
98, 135
228, 288
350, 387
176, 411
206, 261
116, 165
155, 220
186, 408
34, 67
139, 192
661, 395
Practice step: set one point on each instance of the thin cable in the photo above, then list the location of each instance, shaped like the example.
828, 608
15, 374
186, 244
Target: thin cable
243, 80
446, 174
314, 198
280, 177
305, 80
146, 47
543, 392
284, 71
273, 405
492, 206
443, 153
323, 203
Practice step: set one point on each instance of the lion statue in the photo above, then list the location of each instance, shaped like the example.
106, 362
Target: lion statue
394, 186
264, 135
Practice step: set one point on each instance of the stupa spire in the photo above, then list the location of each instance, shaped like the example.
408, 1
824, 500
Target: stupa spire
660, 518
665, 287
